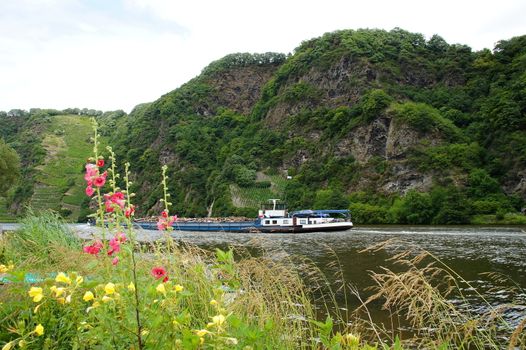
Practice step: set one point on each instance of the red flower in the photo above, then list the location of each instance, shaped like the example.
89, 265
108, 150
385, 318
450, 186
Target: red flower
159, 272
115, 246
164, 213
165, 279
115, 261
100, 163
129, 211
93, 249
118, 198
99, 181
109, 207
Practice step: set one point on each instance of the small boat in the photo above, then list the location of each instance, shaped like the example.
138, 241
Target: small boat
273, 218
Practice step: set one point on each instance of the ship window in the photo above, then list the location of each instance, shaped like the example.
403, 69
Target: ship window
303, 221
285, 222
274, 222
267, 222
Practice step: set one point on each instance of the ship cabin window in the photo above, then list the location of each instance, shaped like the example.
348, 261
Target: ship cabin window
267, 222
274, 222
303, 221
285, 222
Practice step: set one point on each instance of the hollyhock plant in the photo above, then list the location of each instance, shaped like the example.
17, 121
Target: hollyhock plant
100, 163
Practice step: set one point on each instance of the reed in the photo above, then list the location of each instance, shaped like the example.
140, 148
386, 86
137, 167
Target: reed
428, 294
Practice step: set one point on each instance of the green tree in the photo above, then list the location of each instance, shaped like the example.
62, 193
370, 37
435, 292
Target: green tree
9, 167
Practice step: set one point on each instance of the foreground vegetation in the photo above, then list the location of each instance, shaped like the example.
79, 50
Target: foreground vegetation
164, 295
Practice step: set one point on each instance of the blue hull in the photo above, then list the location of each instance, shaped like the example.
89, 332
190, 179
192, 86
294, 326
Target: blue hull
244, 226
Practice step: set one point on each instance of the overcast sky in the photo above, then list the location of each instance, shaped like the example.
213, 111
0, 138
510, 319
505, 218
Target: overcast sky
115, 54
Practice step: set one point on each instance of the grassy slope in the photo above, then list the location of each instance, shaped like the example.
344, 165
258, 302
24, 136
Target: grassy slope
253, 196
60, 182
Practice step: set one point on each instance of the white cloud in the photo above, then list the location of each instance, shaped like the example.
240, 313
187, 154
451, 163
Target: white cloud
115, 54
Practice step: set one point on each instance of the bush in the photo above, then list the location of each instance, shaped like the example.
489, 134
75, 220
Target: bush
363, 213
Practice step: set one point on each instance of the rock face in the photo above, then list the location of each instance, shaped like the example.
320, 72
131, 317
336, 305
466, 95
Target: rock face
239, 89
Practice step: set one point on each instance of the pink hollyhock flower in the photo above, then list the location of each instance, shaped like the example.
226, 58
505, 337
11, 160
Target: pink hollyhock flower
121, 237
161, 225
100, 163
91, 170
118, 198
165, 222
115, 246
115, 261
99, 181
164, 213
109, 207
129, 211
94, 248
89, 191
159, 272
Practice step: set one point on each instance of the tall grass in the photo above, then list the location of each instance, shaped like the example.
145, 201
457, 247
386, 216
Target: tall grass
428, 294
40, 240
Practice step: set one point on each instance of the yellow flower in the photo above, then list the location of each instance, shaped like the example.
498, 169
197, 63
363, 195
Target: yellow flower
218, 320
88, 296
109, 288
22, 343
213, 302
131, 287
201, 332
58, 291
36, 294
61, 277
3, 268
160, 288
61, 300
39, 330
106, 299
178, 288
145, 332
79, 280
